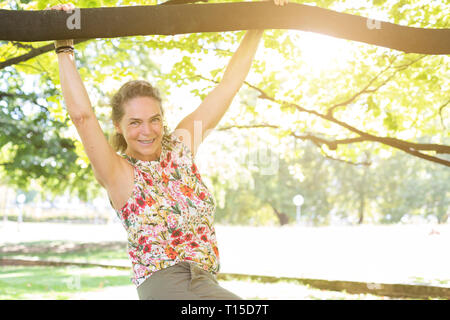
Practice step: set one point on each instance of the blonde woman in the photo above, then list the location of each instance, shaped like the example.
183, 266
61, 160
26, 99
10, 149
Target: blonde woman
151, 178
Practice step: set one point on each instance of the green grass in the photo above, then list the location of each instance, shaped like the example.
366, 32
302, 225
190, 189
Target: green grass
68, 251
58, 283
61, 283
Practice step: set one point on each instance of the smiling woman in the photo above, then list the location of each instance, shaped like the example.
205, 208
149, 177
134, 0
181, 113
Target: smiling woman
154, 185
138, 117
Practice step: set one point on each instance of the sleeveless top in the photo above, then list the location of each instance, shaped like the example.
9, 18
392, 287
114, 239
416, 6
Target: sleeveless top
169, 216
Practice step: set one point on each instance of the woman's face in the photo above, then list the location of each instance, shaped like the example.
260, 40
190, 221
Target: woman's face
142, 128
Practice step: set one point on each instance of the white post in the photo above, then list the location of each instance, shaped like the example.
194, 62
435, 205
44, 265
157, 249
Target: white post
298, 201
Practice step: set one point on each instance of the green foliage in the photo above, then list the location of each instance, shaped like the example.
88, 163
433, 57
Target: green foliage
37, 144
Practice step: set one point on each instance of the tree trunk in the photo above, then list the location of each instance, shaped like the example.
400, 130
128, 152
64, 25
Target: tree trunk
282, 217
111, 22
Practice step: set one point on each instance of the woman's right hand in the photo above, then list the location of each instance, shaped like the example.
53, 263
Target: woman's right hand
62, 7
65, 7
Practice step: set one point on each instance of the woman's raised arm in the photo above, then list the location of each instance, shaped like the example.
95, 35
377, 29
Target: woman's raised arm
105, 162
197, 125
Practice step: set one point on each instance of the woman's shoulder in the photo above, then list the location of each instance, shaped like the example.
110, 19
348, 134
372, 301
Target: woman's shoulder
179, 146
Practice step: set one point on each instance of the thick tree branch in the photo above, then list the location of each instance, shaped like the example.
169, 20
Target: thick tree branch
111, 22
34, 52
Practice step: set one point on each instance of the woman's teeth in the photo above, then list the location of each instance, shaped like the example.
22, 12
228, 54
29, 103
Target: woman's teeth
147, 141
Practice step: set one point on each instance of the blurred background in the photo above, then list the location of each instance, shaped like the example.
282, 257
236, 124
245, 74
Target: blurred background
299, 192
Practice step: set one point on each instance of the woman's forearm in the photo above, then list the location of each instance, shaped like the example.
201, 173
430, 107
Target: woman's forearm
240, 63
73, 90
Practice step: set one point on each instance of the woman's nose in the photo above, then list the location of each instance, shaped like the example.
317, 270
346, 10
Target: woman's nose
146, 129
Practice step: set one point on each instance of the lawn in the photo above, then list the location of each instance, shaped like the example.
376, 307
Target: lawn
56, 283
74, 282
63, 283
349, 254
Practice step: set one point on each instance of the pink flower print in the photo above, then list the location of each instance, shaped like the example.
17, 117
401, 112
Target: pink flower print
139, 270
133, 208
177, 242
165, 178
140, 202
150, 201
188, 237
148, 180
177, 233
200, 230
171, 221
193, 244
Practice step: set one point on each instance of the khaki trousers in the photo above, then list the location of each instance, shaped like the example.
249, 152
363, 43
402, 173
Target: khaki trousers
183, 281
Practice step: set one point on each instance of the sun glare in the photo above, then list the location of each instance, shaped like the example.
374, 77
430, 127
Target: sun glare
321, 52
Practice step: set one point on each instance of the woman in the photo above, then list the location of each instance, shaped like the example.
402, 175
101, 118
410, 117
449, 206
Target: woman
154, 185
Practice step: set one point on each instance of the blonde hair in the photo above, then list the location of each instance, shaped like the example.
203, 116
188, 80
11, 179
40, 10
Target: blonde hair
128, 91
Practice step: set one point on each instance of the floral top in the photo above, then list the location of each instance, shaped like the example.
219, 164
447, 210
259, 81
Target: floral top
169, 216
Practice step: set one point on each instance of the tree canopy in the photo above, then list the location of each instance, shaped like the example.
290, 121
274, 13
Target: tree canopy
345, 119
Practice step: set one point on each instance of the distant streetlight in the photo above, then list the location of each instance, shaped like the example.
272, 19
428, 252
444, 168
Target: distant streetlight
298, 201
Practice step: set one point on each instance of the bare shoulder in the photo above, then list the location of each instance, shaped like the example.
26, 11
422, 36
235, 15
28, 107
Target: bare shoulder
119, 170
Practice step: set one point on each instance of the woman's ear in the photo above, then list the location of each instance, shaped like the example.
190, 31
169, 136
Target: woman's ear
117, 127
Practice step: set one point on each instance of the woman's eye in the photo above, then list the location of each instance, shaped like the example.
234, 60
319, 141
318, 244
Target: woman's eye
155, 120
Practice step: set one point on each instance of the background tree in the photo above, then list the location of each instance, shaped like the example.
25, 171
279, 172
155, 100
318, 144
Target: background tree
356, 105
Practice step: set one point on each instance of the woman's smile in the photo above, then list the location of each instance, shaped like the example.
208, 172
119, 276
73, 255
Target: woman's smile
147, 142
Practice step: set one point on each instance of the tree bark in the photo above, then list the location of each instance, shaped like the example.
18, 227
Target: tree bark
283, 218
112, 22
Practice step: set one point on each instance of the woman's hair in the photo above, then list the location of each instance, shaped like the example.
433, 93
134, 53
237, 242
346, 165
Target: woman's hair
128, 91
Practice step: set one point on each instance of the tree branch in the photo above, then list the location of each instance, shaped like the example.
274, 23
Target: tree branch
408, 147
32, 54
364, 163
113, 22
440, 113
332, 144
366, 88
